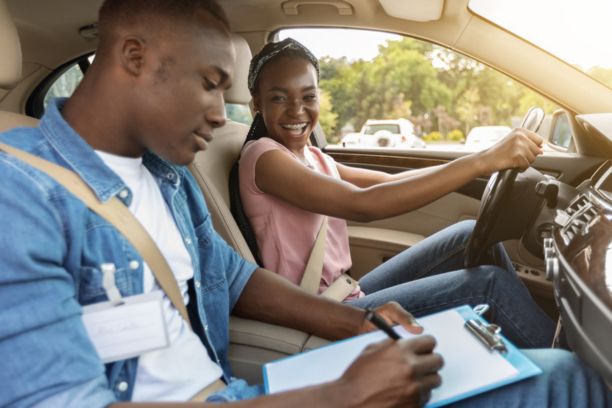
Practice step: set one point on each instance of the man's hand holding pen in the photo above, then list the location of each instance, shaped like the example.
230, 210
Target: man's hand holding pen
407, 369
403, 372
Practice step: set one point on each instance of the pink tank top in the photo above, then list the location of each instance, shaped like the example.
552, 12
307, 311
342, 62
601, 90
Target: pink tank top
286, 234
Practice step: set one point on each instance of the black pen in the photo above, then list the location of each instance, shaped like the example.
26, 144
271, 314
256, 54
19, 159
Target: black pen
377, 321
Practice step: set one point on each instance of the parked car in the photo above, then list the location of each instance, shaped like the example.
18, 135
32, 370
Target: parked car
482, 137
385, 133
351, 140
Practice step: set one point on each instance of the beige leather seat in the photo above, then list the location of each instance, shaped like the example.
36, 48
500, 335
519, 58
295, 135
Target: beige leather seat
252, 343
10, 68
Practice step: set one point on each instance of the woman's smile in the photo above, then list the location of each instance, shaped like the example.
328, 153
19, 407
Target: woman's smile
295, 129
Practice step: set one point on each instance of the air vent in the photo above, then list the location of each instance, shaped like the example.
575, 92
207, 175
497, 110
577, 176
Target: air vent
581, 213
577, 204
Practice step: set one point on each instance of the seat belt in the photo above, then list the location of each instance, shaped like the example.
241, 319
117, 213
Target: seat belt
341, 287
117, 214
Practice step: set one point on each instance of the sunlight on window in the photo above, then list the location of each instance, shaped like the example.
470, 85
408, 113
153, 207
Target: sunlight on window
420, 95
336, 42
578, 32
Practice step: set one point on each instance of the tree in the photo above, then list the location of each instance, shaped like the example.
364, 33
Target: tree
327, 118
436, 88
445, 121
530, 98
399, 82
467, 108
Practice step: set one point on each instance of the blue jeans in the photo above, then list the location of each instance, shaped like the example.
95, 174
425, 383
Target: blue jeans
431, 277
564, 383
237, 390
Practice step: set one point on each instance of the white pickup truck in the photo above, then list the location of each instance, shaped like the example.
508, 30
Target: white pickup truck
385, 133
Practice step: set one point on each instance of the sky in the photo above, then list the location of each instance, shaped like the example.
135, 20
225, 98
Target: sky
579, 32
355, 44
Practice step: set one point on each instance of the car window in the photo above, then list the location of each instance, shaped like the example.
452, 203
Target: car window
64, 81
571, 30
561, 135
64, 85
60, 83
441, 96
238, 113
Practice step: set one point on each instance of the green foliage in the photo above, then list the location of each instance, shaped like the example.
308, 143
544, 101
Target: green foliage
455, 135
438, 89
530, 98
327, 118
434, 136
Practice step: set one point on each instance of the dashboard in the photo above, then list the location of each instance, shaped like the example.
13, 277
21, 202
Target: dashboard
578, 258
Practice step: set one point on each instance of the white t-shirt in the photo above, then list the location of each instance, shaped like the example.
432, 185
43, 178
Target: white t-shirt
178, 372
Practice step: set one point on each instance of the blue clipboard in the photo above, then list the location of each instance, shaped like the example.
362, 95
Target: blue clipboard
329, 362
525, 367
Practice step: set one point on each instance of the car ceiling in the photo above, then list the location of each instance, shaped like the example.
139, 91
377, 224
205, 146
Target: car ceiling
49, 32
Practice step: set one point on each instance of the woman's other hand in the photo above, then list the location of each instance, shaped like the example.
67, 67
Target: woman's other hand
394, 314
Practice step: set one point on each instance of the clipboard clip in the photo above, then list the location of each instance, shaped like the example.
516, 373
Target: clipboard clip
488, 334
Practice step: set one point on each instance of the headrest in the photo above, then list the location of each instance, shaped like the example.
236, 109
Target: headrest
10, 49
239, 92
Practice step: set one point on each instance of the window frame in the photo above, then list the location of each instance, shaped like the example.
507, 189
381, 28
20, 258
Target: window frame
35, 103
318, 137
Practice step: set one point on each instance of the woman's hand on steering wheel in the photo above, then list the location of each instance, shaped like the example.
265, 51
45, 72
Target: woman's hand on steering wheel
514, 153
518, 149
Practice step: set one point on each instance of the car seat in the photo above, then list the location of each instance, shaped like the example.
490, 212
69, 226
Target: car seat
252, 343
10, 68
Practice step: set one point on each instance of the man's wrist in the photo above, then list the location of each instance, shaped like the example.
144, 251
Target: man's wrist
360, 319
346, 321
338, 394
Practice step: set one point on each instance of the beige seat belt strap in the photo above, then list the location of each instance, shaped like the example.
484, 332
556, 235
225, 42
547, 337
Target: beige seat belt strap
314, 267
116, 213
341, 287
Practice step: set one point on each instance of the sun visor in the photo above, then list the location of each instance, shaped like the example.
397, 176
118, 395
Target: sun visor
414, 10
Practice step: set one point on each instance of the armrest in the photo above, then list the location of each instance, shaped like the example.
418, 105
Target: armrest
254, 343
371, 246
382, 238
266, 336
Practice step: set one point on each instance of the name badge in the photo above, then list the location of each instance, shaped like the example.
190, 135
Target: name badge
128, 328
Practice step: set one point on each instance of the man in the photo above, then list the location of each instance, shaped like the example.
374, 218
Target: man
148, 103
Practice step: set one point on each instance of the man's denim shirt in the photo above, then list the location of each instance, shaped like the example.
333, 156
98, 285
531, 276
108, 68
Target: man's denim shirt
51, 248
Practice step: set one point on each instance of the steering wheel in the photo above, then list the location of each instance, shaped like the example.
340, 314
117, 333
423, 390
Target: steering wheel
498, 190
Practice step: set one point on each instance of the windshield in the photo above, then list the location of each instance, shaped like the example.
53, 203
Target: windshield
578, 32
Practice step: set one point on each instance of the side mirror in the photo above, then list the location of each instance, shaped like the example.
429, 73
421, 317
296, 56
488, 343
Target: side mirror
560, 133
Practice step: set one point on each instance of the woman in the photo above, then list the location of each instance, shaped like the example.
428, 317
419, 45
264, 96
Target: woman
289, 190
